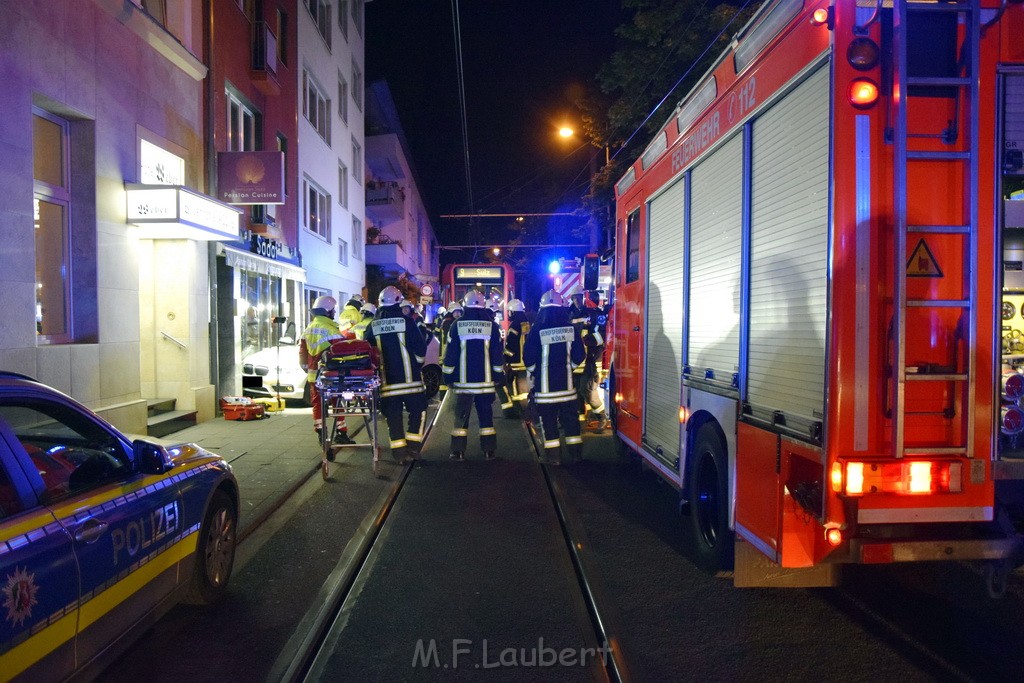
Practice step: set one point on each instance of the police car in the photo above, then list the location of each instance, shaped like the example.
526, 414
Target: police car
99, 535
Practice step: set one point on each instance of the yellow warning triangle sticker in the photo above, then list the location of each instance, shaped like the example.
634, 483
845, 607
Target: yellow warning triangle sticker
922, 263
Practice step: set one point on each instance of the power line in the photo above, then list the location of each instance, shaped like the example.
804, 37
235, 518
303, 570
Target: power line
505, 215
457, 28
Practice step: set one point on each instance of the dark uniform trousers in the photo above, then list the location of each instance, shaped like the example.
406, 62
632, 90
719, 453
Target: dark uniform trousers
564, 412
392, 406
460, 429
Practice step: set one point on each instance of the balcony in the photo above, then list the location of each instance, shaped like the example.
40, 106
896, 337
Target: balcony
385, 202
390, 256
264, 59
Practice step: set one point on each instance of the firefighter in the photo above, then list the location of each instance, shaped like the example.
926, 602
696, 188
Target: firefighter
455, 311
368, 311
401, 350
552, 351
581, 321
517, 379
316, 339
472, 367
351, 314
593, 366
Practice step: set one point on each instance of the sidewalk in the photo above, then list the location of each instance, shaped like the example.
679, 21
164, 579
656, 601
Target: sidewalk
270, 457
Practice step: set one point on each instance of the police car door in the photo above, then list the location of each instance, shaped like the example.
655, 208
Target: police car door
38, 579
121, 522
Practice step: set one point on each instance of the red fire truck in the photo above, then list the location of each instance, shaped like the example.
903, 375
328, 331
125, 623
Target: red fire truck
808, 290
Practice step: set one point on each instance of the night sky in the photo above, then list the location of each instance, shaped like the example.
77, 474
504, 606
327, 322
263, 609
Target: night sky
524, 63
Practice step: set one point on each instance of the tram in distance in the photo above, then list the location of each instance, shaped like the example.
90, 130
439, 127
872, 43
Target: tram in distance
808, 291
496, 281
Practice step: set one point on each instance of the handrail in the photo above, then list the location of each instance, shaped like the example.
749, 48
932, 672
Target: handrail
176, 341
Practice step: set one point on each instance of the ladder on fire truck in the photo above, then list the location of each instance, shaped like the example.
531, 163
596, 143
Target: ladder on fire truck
965, 86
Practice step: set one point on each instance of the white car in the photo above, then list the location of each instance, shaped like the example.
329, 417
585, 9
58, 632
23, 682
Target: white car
261, 370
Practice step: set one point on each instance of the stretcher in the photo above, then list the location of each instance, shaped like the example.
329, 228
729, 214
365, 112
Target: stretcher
349, 388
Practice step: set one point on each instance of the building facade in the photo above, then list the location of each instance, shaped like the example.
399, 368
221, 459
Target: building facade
329, 69
402, 239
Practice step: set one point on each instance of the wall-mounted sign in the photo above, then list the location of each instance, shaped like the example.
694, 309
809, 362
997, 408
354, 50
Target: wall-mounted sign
175, 212
250, 177
157, 166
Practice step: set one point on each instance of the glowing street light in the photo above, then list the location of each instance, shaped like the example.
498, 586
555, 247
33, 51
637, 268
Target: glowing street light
566, 132
497, 251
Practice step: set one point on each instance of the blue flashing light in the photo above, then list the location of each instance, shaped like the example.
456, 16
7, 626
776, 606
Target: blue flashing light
554, 267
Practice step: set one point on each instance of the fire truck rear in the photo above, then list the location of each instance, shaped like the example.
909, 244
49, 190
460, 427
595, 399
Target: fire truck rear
818, 283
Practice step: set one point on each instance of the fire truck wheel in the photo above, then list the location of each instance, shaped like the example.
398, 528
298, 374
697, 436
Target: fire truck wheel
707, 491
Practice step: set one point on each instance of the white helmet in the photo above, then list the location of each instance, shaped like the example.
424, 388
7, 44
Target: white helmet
325, 303
358, 297
441, 311
369, 308
389, 296
551, 298
516, 306
456, 309
494, 305
474, 299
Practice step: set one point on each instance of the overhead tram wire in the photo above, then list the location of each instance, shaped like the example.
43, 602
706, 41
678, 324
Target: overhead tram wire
460, 73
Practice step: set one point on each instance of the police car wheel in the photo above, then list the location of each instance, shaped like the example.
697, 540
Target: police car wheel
215, 552
707, 493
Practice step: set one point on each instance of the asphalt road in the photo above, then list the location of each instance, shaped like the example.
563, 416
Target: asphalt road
911, 622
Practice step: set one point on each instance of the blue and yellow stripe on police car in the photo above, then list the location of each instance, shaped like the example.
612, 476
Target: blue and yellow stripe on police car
62, 625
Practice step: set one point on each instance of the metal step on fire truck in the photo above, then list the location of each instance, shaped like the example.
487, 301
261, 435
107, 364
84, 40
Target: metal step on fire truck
817, 259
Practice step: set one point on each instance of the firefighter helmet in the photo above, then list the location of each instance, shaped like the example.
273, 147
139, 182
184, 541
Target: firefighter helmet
456, 310
389, 296
325, 303
474, 299
551, 298
369, 308
516, 306
358, 297
494, 305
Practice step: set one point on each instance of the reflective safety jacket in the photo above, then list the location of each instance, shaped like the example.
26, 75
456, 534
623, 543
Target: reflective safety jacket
553, 349
317, 337
401, 349
473, 359
350, 315
359, 329
515, 337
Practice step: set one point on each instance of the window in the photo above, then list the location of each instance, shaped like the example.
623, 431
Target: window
342, 98
357, 162
71, 452
316, 107
317, 216
242, 125
357, 85
282, 146
343, 252
343, 17
52, 205
357, 238
633, 247
357, 14
320, 11
342, 185
282, 34
156, 9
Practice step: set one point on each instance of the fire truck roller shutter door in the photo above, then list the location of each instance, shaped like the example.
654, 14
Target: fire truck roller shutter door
664, 335
716, 223
789, 252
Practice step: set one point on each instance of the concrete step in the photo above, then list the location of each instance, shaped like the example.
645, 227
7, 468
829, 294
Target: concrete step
169, 422
157, 406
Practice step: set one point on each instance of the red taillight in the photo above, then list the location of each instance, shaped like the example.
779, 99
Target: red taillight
822, 17
906, 477
863, 93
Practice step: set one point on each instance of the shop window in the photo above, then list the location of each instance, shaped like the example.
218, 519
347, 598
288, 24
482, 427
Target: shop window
51, 204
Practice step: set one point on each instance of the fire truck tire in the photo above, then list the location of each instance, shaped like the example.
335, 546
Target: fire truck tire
708, 494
